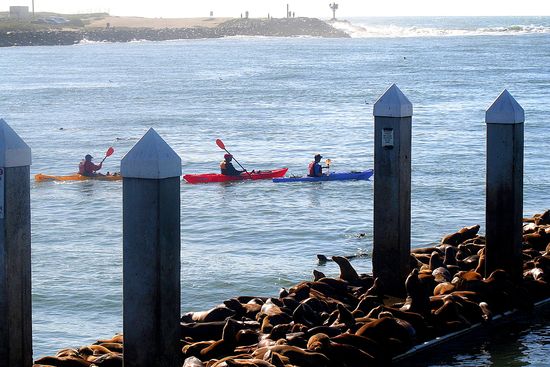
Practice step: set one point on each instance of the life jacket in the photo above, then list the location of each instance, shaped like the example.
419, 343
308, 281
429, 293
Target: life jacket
222, 166
311, 169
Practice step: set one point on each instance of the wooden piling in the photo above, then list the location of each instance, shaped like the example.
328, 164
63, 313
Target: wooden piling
504, 190
15, 250
392, 190
151, 254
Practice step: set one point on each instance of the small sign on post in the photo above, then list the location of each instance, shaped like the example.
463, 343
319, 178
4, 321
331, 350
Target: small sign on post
387, 138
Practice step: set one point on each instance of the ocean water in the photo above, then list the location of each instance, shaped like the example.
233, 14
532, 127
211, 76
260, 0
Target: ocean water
275, 102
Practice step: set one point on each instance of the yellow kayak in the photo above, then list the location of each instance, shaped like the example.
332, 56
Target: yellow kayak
77, 177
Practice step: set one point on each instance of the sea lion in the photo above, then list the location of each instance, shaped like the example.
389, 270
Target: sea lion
375, 290
69, 361
225, 346
544, 218
194, 349
366, 304
305, 315
418, 294
192, 362
367, 345
347, 272
449, 315
537, 240
443, 288
462, 235
345, 354
242, 359
441, 275
276, 359
435, 261
317, 304
424, 250
296, 356
480, 268
109, 360
117, 338
450, 256
388, 332
218, 313
203, 331
245, 362
246, 310
345, 317
113, 347
317, 275
98, 349
300, 291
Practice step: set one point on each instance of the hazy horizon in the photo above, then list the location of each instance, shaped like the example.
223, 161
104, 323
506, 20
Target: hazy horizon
277, 8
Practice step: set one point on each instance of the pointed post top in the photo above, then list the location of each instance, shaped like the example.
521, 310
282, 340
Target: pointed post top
14, 152
393, 103
505, 110
151, 157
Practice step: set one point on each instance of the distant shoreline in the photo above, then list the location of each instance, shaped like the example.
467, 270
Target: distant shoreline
126, 29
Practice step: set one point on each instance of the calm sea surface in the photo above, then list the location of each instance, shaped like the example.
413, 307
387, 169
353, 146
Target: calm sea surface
275, 102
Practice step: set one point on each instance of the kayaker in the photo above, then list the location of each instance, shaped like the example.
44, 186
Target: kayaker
87, 167
314, 169
227, 167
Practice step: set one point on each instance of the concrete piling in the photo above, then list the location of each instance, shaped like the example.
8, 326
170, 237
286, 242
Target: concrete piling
151, 254
15, 250
392, 190
504, 190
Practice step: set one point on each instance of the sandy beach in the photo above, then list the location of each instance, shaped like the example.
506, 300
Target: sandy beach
156, 23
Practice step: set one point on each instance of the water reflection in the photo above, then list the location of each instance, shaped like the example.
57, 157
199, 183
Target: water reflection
505, 344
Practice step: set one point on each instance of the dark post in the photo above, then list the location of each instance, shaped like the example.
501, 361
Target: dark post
15, 250
392, 190
504, 191
151, 254
334, 7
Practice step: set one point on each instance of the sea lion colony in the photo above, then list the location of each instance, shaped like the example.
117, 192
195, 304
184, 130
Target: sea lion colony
347, 321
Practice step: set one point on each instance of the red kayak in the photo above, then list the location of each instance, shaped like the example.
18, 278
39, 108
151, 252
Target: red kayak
218, 177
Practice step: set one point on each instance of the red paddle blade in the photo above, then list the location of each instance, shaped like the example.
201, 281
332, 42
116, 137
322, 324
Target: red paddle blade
220, 143
110, 151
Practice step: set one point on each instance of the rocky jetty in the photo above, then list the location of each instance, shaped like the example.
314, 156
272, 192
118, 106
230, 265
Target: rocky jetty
286, 27
348, 321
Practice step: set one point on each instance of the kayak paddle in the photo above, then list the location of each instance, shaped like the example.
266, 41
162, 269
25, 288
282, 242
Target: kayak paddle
109, 152
220, 143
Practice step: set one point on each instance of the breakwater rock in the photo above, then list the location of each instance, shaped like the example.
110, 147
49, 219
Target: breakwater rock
286, 27
348, 321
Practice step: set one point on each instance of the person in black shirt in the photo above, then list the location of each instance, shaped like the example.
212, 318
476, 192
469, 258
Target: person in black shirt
227, 167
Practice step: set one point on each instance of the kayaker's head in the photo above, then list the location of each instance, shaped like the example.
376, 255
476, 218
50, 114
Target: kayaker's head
88, 157
318, 157
228, 157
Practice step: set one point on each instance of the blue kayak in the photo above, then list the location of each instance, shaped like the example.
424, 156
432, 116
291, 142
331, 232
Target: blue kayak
336, 176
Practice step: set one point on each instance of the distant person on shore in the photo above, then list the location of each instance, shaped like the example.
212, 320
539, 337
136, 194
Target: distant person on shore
314, 168
87, 167
227, 167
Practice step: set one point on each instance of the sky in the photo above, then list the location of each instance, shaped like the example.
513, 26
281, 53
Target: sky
277, 8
